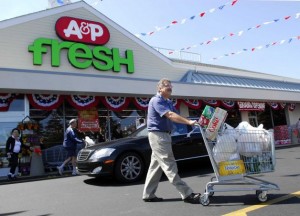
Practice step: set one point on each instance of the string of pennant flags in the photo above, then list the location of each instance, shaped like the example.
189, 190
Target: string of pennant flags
183, 21
258, 47
237, 34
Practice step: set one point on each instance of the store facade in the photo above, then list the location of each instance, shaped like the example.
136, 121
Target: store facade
73, 62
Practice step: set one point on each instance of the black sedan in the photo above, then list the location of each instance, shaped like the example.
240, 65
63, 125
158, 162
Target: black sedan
127, 159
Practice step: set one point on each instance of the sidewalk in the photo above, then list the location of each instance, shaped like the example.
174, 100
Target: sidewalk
28, 178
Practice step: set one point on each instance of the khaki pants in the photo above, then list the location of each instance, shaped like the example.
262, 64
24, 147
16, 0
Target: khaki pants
162, 160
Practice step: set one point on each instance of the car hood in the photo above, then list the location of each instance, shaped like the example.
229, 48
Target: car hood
117, 142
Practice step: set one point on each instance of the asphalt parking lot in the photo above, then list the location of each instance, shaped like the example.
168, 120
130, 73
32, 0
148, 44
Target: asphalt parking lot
82, 195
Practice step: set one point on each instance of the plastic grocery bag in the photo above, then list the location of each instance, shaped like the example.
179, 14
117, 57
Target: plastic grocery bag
252, 140
226, 148
249, 144
89, 142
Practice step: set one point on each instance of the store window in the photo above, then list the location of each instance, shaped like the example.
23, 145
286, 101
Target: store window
9, 120
18, 104
51, 126
269, 118
125, 122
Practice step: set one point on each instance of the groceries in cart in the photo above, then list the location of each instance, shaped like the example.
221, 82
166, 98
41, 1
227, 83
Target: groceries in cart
236, 154
240, 150
212, 119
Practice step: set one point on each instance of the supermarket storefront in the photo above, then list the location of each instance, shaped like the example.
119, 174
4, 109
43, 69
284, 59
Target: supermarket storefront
73, 62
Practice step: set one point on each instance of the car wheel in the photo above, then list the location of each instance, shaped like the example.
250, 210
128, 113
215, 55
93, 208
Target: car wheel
129, 167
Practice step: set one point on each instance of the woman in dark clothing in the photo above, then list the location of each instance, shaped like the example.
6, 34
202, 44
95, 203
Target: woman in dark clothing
14, 145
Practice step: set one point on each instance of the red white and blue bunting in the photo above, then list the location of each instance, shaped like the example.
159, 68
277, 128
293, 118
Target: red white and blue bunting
183, 21
115, 103
176, 103
213, 103
228, 104
257, 48
82, 102
282, 105
192, 103
141, 103
292, 107
238, 33
5, 100
45, 101
274, 105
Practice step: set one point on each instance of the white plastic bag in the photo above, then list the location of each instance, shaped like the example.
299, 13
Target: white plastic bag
250, 144
225, 148
89, 141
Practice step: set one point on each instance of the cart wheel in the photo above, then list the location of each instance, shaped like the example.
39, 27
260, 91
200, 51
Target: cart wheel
204, 200
262, 196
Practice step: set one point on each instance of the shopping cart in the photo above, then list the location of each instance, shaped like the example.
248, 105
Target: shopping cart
237, 155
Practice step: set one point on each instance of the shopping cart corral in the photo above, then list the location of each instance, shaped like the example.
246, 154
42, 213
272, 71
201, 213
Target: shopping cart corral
236, 157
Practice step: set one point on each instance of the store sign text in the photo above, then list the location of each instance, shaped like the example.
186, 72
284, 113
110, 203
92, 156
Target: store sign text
78, 36
81, 56
84, 31
251, 106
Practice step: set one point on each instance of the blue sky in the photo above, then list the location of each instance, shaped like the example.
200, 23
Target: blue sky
142, 16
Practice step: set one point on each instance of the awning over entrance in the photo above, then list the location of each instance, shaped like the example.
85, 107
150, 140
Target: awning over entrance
205, 78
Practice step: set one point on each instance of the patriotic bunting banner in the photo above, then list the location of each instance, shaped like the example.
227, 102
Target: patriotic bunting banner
228, 104
274, 106
292, 106
213, 103
183, 21
5, 100
57, 3
141, 103
83, 102
45, 101
115, 103
193, 104
282, 105
257, 48
176, 103
236, 34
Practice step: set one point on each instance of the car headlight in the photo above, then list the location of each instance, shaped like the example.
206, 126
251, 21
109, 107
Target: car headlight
105, 152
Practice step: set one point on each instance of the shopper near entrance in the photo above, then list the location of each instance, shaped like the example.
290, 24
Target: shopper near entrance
14, 145
70, 144
161, 114
117, 133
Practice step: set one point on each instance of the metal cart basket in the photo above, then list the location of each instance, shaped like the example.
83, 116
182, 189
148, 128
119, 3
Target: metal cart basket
237, 155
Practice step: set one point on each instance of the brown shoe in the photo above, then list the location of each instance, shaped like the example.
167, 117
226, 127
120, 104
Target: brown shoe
193, 198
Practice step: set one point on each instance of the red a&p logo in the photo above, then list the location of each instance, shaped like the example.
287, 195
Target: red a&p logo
84, 31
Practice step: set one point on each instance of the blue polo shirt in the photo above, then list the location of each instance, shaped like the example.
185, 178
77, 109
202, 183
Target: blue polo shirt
157, 108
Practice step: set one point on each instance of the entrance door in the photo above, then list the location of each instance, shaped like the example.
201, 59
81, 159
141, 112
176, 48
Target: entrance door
253, 118
8, 121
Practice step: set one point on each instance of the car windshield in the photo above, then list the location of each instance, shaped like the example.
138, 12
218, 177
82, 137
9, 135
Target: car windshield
141, 132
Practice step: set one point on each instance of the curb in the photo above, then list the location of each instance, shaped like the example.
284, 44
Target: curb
23, 179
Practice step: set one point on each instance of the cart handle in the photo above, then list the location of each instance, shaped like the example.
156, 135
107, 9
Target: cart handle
196, 125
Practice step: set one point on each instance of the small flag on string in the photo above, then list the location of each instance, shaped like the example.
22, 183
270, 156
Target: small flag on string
56, 3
